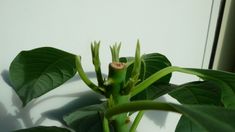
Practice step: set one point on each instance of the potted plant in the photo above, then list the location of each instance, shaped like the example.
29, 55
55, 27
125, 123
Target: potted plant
132, 85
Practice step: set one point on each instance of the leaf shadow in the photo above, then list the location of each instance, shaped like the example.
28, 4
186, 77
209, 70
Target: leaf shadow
8, 122
6, 77
85, 98
23, 113
158, 117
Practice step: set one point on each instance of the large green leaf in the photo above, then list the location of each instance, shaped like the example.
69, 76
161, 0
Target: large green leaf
224, 80
87, 119
208, 118
151, 63
44, 129
186, 125
199, 92
35, 72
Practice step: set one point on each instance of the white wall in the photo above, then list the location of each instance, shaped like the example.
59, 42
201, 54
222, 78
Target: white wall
176, 28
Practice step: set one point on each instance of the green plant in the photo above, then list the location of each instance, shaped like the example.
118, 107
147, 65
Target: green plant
131, 86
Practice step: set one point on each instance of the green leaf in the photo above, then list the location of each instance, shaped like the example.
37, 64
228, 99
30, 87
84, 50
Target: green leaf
155, 91
223, 80
44, 129
208, 118
186, 125
198, 92
87, 119
151, 63
36, 72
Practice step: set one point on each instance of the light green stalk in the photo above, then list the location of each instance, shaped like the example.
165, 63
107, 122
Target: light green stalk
137, 121
96, 62
139, 105
133, 80
150, 80
106, 125
85, 79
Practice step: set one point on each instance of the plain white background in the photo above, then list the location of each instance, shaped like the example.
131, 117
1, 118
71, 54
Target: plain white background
175, 28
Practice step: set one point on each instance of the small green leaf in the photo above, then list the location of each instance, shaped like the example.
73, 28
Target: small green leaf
87, 119
36, 72
44, 129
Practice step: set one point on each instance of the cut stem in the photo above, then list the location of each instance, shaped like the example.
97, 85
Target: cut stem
116, 80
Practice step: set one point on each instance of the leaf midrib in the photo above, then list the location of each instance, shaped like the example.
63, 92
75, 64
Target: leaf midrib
44, 71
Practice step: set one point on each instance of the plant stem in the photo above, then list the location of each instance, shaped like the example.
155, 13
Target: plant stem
137, 63
137, 121
150, 80
96, 62
116, 80
133, 80
106, 125
156, 76
84, 77
139, 105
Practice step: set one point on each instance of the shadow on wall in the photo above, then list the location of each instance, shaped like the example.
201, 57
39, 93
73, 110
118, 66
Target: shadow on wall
8, 122
158, 117
23, 119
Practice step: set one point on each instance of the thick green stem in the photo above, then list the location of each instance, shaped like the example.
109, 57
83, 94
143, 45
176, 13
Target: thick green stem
121, 122
115, 83
137, 121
